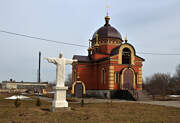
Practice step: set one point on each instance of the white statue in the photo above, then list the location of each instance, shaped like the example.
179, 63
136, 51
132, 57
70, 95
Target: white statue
60, 90
60, 69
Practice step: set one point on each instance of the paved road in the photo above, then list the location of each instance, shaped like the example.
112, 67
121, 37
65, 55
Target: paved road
93, 100
164, 103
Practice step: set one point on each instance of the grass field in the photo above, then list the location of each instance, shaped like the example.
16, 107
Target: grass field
121, 112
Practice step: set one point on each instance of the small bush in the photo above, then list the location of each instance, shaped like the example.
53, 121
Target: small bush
82, 103
38, 102
17, 103
111, 103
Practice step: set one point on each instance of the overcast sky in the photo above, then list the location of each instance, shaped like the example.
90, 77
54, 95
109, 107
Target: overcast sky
152, 26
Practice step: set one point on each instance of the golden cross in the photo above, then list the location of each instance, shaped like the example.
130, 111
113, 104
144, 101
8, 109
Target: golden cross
107, 9
126, 38
96, 37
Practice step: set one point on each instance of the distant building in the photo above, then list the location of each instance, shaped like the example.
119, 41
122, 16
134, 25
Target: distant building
111, 66
24, 85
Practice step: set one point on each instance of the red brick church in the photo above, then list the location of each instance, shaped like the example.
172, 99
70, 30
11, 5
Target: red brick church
111, 65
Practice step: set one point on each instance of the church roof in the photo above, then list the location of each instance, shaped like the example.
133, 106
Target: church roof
115, 50
107, 31
81, 58
85, 59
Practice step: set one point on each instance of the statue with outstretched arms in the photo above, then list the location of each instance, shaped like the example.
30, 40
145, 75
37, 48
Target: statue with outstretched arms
60, 68
60, 90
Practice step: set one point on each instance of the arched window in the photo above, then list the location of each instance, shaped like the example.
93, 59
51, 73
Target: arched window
126, 56
103, 76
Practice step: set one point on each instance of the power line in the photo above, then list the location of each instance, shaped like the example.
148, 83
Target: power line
159, 53
48, 40
60, 42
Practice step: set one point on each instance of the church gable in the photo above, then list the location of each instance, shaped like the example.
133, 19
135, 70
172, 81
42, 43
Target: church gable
126, 54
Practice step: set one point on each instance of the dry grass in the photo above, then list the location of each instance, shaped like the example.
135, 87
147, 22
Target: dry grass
28, 112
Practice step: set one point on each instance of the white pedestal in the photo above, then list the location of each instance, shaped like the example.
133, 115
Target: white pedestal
60, 97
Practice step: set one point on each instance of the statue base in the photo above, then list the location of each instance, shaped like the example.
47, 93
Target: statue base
60, 109
60, 97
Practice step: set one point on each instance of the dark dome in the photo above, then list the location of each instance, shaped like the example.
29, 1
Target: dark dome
107, 31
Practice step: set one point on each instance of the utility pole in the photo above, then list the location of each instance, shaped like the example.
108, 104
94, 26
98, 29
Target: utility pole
39, 70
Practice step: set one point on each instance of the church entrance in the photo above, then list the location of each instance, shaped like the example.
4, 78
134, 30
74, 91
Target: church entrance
128, 78
79, 90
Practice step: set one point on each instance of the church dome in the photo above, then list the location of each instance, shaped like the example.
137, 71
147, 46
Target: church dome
107, 31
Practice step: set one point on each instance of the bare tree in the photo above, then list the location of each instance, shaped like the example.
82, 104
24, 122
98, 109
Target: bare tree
177, 75
174, 85
158, 84
68, 81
